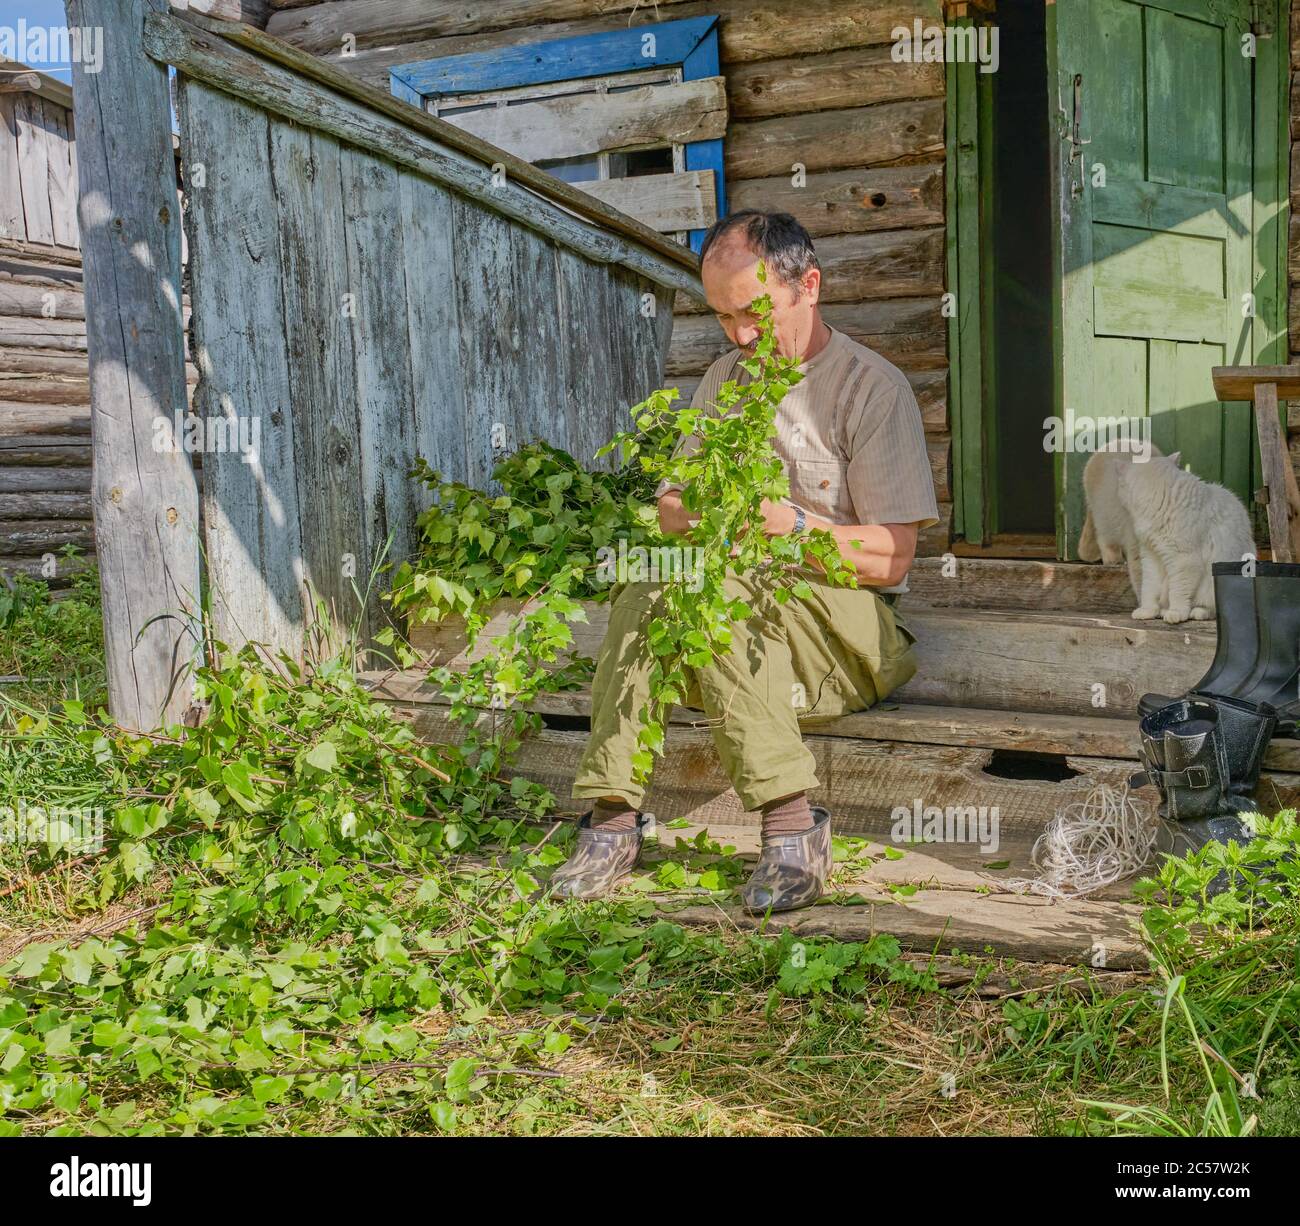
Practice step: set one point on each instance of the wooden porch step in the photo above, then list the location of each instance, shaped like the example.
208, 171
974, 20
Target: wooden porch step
1040, 661
1020, 585
1087, 736
951, 910
1077, 932
868, 784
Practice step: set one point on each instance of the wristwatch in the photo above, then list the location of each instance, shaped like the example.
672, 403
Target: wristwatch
800, 522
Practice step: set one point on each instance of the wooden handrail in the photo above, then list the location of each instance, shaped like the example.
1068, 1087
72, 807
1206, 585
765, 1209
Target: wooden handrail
1265, 386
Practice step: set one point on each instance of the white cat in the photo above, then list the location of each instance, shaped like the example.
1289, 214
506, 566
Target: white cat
1168, 525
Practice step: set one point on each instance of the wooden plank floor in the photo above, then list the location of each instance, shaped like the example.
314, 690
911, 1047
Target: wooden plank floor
954, 910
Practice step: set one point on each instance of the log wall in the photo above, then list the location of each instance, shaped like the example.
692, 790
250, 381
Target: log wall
810, 84
44, 414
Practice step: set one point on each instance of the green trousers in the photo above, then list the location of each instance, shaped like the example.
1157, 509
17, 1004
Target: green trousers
812, 659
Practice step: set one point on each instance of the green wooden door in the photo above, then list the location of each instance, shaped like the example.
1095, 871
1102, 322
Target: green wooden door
1153, 182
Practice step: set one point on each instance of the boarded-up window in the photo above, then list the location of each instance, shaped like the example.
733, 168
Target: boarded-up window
635, 118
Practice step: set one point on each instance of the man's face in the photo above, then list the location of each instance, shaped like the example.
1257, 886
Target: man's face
730, 277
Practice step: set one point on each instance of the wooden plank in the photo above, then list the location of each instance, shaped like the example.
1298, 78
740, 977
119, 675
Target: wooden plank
490, 335
24, 82
44, 504
48, 86
1238, 382
751, 29
573, 125
550, 65
1049, 662
633, 345
591, 369
872, 266
74, 183
1005, 583
856, 76
1026, 928
683, 201
1279, 477
344, 96
1087, 736
34, 166
12, 225
40, 251
851, 201
146, 501
939, 453
63, 193
322, 379
382, 367
433, 330
506, 287
251, 514
893, 132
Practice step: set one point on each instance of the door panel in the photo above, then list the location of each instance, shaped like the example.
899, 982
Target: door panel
1154, 256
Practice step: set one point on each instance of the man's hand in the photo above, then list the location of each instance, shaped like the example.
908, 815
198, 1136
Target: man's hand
778, 518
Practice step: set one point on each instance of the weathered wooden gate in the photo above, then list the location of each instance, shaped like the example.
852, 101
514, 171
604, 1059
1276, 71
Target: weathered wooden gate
370, 284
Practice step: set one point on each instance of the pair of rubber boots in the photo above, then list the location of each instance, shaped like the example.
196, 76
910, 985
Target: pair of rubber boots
791, 871
1257, 660
1203, 751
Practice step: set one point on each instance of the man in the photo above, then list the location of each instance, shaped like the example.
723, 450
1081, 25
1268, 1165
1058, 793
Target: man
851, 439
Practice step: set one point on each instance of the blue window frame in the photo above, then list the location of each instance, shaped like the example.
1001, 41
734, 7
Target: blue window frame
691, 44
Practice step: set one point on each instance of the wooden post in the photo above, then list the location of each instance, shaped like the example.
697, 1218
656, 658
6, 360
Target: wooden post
144, 496
1264, 385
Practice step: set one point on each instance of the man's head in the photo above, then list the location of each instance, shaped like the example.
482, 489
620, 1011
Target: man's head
729, 261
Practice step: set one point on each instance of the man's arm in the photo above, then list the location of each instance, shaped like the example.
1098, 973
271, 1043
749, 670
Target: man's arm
880, 554
672, 515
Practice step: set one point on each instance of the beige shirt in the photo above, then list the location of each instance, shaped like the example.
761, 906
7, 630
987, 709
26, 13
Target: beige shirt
850, 437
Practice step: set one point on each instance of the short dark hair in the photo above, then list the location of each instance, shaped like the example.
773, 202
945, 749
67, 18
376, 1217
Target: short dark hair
783, 245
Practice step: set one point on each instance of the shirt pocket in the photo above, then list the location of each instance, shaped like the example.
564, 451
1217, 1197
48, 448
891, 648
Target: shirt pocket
820, 486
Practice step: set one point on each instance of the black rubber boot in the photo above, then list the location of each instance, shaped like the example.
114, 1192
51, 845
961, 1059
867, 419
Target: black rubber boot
1237, 650
1204, 757
1275, 679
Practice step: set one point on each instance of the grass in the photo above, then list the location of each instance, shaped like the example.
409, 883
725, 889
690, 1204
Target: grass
643, 1028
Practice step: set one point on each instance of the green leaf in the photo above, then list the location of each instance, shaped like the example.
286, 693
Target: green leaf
323, 757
